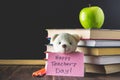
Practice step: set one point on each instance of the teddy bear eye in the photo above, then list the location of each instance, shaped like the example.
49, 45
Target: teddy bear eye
59, 43
70, 43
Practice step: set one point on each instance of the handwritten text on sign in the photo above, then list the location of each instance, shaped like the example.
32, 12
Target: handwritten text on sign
65, 64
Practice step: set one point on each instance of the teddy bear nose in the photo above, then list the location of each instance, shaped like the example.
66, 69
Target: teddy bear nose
64, 46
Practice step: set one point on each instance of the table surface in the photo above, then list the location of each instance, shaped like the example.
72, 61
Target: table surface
23, 72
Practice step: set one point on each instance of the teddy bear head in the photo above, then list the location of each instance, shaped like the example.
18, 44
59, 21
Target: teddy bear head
65, 42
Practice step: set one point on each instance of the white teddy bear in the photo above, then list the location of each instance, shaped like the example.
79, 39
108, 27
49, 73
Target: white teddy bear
62, 43
65, 43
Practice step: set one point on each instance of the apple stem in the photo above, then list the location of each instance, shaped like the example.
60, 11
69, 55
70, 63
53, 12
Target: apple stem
89, 5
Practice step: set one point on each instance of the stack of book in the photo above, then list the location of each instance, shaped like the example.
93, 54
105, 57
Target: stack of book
100, 46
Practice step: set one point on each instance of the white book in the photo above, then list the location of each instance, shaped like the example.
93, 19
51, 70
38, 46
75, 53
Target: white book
101, 60
99, 43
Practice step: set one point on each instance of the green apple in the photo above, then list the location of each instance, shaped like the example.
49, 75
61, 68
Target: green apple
91, 17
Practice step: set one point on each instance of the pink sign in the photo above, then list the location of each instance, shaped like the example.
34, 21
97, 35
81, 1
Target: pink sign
60, 64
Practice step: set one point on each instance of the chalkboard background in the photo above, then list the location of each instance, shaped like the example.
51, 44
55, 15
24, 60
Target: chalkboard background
23, 23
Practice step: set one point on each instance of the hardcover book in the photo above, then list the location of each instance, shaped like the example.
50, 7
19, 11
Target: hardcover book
99, 43
96, 43
88, 33
102, 60
102, 69
94, 51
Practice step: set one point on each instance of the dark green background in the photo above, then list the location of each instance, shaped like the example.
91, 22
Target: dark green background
23, 23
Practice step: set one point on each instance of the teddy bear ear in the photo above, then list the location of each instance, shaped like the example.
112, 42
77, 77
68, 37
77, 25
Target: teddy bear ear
53, 38
77, 38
